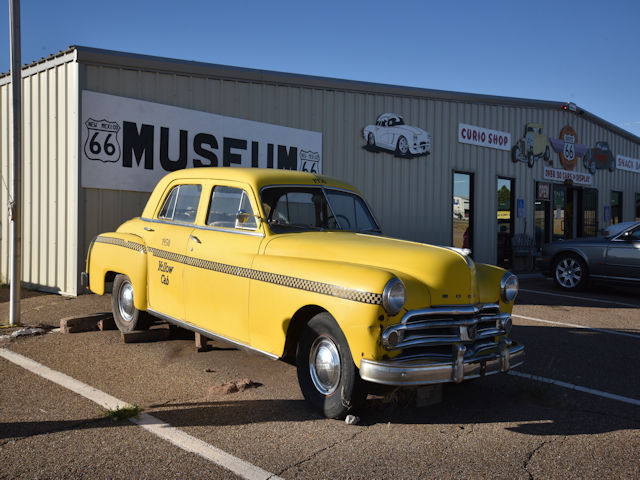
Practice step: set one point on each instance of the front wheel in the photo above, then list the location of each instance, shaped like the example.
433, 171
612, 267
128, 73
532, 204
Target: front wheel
329, 380
570, 272
127, 317
403, 146
515, 154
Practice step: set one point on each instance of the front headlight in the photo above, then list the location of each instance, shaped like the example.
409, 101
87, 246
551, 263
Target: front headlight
509, 287
393, 296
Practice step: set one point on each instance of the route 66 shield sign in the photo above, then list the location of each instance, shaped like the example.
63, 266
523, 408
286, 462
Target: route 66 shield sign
102, 140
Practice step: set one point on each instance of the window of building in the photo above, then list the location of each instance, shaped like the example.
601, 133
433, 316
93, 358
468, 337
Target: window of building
505, 214
181, 205
226, 203
558, 211
637, 206
542, 214
462, 210
588, 213
616, 207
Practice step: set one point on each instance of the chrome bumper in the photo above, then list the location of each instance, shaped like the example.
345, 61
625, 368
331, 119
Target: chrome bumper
420, 372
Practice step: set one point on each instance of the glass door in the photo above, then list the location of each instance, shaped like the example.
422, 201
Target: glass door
462, 210
505, 215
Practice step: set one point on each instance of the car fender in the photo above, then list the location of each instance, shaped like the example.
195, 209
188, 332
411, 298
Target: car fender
123, 253
571, 249
350, 293
488, 279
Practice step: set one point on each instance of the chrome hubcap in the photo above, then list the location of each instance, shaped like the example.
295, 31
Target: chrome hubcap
125, 302
324, 365
569, 272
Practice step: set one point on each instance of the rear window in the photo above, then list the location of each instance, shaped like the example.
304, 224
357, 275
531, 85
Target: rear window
181, 205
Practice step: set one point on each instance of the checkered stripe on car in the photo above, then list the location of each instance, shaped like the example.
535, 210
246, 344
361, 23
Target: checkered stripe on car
274, 278
138, 247
351, 294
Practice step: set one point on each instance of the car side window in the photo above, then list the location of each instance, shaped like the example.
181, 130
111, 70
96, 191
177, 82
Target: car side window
225, 204
635, 235
181, 205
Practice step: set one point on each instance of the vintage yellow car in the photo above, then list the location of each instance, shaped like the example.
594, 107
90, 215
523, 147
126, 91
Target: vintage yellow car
294, 265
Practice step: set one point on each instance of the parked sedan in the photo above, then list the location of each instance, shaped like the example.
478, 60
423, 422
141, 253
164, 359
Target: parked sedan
391, 133
294, 266
614, 256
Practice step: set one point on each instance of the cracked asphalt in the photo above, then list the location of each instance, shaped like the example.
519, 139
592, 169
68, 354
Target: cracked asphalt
497, 427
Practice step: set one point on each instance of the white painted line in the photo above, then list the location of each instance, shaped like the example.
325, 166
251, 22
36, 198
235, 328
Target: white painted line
150, 423
570, 386
573, 325
596, 300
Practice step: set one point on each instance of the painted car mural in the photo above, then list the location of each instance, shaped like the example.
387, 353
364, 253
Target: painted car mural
599, 157
532, 146
568, 148
391, 133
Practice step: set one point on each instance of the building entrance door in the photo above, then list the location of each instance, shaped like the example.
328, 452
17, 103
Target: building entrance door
574, 212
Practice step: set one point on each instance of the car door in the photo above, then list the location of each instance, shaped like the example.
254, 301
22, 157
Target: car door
623, 256
168, 233
222, 252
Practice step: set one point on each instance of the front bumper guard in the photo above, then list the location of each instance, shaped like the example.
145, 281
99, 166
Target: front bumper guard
421, 372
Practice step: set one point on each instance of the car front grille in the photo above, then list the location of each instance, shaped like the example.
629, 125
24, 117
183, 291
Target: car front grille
437, 333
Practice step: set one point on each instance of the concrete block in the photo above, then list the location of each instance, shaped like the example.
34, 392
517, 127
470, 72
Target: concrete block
151, 335
428, 395
82, 323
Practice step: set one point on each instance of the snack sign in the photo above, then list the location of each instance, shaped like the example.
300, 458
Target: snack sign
628, 163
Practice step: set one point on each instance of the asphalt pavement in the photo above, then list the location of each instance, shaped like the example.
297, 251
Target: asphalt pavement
503, 426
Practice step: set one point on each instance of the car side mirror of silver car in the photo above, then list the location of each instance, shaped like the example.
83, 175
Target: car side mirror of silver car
626, 237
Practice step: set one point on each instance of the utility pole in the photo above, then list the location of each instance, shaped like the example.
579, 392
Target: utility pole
15, 205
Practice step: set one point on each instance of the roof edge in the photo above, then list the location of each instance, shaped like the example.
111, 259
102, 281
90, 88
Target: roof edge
137, 61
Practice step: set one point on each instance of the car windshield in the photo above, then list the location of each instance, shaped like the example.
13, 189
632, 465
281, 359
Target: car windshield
304, 208
617, 228
396, 121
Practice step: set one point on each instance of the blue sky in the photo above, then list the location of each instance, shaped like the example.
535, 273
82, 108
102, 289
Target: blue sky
587, 52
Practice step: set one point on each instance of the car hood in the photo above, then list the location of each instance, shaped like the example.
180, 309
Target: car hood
449, 276
413, 130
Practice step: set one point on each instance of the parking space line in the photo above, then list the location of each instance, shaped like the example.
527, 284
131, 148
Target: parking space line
573, 325
596, 300
150, 423
570, 386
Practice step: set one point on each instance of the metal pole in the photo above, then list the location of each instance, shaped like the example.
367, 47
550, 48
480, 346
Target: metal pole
14, 207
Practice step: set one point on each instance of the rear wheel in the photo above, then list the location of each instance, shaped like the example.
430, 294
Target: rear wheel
127, 317
570, 272
328, 378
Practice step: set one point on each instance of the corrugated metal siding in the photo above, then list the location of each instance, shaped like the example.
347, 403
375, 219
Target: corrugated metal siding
412, 197
50, 176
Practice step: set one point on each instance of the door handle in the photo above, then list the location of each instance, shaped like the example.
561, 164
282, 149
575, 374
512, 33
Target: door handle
148, 229
194, 238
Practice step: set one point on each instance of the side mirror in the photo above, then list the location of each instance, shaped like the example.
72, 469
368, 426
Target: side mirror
243, 217
628, 237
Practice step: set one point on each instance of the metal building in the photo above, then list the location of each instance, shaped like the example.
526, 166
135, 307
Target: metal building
493, 174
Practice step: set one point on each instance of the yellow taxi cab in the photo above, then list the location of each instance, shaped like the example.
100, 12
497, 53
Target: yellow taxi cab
294, 265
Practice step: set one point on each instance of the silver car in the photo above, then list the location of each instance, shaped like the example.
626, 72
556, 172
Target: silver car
614, 256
